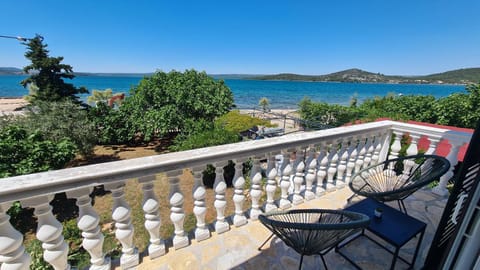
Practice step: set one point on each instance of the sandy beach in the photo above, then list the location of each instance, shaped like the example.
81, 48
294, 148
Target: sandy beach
12, 105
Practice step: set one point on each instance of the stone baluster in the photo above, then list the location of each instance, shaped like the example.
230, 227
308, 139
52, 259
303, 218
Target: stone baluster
342, 166
433, 145
271, 183
332, 169
352, 150
12, 251
286, 170
150, 206
239, 197
397, 145
377, 148
411, 150
177, 213
452, 157
299, 167
49, 232
369, 148
322, 170
88, 222
310, 176
256, 188
220, 187
199, 206
361, 154
121, 214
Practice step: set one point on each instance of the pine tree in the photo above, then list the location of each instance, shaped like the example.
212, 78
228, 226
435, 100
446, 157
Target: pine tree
47, 75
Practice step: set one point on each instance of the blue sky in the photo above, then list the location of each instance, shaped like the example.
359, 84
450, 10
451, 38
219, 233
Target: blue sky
253, 37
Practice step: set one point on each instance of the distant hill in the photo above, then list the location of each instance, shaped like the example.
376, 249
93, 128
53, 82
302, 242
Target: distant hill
10, 71
459, 76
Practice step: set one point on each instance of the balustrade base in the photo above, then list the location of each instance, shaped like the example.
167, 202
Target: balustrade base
128, 261
107, 265
180, 241
254, 213
155, 251
297, 199
309, 195
270, 207
331, 188
284, 204
340, 185
201, 234
221, 227
320, 191
239, 221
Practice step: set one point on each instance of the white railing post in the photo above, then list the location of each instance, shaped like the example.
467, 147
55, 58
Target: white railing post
49, 232
299, 167
239, 197
332, 169
377, 148
199, 209
397, 145
433, 145
310, 176
360, 153
12, 251
369, 148
177, 214
342, 166
271, 183
452, 157
150, 206
286, 170
88, 222
121, 214
413, 147
256, 188
351, 161
220, 187
322, 170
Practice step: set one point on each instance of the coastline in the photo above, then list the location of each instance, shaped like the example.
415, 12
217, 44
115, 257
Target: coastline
12, 105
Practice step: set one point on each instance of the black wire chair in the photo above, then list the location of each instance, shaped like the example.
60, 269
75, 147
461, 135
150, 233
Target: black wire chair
396, 179
313, 231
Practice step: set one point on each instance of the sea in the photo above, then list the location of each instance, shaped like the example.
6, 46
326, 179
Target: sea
247, 93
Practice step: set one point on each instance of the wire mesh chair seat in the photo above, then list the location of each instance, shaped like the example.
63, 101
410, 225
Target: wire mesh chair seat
396, 179
313, 231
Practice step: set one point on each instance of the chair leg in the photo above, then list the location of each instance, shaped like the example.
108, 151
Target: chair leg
401, 206
301, 261
324, 263
270, 237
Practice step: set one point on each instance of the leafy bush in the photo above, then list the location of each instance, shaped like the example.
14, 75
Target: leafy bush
22, 152
326, 114
236, 122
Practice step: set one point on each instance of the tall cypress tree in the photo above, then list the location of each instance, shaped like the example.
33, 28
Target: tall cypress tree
47, 75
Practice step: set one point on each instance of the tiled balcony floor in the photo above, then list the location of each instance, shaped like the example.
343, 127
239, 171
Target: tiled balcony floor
237, 249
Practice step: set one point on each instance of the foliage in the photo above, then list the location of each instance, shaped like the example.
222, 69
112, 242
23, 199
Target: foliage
264, 103
326, 114
36, 253
62, 120
167, 102
110, 125
47, 74
236, 122
99, 96
22, 152
209, 137
460, 109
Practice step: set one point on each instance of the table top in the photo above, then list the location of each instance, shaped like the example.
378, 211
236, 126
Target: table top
394, 226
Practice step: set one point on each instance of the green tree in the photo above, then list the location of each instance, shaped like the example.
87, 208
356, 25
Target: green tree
47, 75
264, 103
174, 102
99, 96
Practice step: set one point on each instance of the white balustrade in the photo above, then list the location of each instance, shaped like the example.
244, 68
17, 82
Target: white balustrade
286, 170
322, 170
199, 208
49, 232
177, 213
256, 188
271, 186
342, 165
332, 169
150, 206
441, 189
239, 197
121, 214
299, 167
341, 153
12, 252
311, 164
220, 187
88, 222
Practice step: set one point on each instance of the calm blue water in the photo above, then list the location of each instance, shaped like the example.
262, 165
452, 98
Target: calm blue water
247, 93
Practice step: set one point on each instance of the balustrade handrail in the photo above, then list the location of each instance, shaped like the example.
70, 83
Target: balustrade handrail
51, 182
